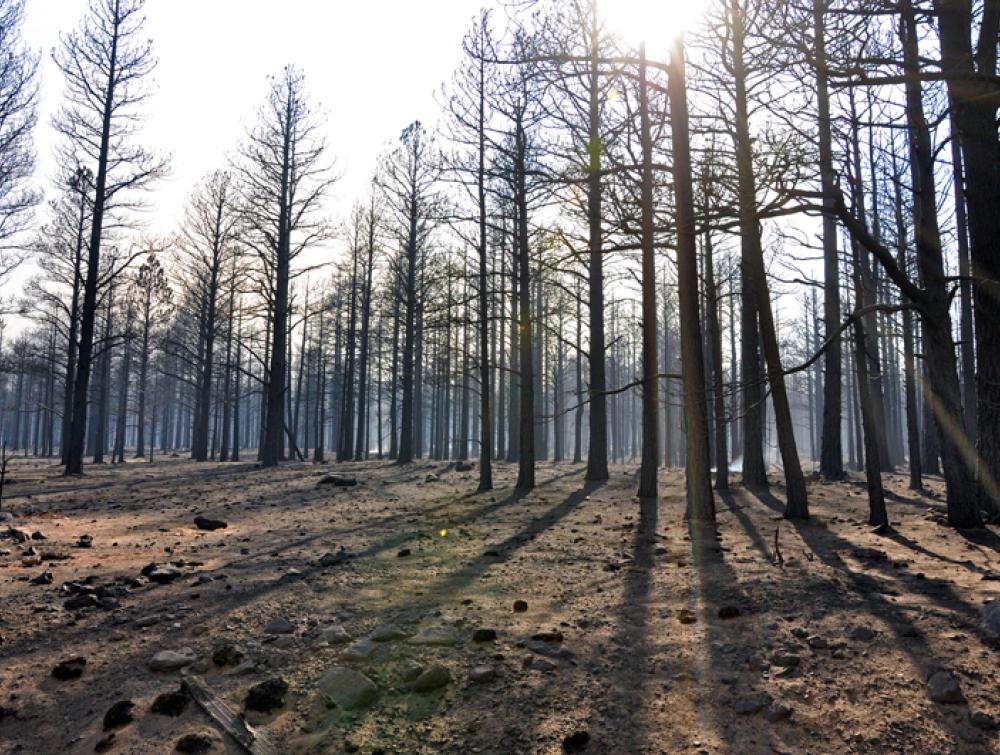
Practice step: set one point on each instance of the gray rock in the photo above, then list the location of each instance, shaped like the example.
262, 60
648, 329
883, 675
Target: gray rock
817, 643
411, 670
786, 660
543, 648
335, 635
247, 667
436, 635
433, 678
279, 625
347, 689
482, 674
388, 633
748, 706
172, 660
539, 664
944, 687
148, 621
334, 559
777, 712
991, 617
358, 650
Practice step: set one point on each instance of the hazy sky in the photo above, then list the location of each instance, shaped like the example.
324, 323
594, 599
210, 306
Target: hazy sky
373, 66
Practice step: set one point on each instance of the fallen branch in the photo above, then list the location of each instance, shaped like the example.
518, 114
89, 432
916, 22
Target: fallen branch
252, 740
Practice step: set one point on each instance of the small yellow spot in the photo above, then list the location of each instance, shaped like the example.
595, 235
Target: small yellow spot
444, 532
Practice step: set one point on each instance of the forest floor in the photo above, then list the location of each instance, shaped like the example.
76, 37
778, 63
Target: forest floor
640, 635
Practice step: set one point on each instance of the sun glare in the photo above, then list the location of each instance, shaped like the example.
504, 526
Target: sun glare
655, 22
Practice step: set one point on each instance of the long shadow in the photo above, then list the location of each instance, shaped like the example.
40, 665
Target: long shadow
818, 535
897, 537
230, 601
826, 546
984, 538
631, 676
746, 523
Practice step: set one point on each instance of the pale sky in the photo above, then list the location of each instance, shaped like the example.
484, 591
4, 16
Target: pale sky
373, 66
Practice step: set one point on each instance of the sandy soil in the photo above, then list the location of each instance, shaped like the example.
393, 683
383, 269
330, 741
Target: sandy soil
652, 658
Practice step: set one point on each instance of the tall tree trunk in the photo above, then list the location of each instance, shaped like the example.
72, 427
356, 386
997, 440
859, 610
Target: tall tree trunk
650, 380
701, 504
597, 454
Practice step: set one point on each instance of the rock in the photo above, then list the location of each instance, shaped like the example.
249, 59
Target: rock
171, 703
684, 616
991, 617
862, 634
267, 696
576, 742
105, 744
358, 650
785, 660
119, 715
197, 743
729, 612
172, 660
45, 578
227, 654
464, 466
37, 535
148, 621
747, 707
775, 712
431, 478
85, 541
411, 670
161, 574
18, 536
817, 643
69, 669
338, 481
284, 642
335, 635
982, 720
540, 664
435, 635
388, 633
207, 523
549, 636
403, 553
347, 689
944, 687
279, 625
543, 648
484, 635
247, 667
334, 559
520, 606
80, 601
433, 678
482, 674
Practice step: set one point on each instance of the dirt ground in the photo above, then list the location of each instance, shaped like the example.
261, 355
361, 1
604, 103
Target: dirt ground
640, 635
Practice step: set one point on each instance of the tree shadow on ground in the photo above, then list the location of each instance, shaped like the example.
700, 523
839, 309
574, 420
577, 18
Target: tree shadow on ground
870, 597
